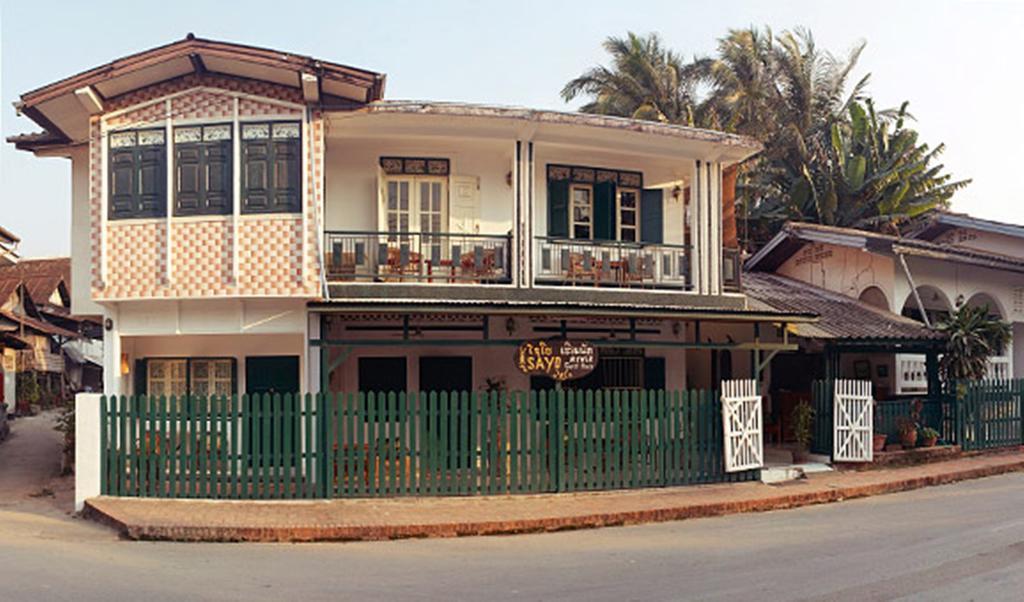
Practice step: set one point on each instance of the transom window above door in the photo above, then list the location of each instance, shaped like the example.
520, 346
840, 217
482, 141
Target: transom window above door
414, 196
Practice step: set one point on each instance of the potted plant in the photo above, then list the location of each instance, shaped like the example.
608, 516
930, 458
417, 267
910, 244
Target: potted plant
908, 425
929, 437
803, 419
878, 443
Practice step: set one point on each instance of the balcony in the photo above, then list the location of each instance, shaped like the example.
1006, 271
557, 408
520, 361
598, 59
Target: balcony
572, 262
417, 257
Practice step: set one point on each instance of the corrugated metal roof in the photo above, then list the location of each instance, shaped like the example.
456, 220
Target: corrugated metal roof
41, 277
840, 317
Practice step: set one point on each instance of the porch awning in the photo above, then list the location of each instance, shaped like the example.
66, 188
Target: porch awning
842, 319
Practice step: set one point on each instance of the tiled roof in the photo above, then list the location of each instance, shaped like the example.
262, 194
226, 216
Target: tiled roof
37, 325
840, 317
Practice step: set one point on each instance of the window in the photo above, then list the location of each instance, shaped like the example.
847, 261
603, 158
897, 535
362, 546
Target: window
271, 167
202, 170
582, 211
166, 377
415, 204
138, 174
188, 376
629, 207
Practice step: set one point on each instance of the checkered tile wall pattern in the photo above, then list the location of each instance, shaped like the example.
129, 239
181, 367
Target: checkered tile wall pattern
270, 247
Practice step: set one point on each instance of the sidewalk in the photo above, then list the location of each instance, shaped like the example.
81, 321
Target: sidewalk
378, 519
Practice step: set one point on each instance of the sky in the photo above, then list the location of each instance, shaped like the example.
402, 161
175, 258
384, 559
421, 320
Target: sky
957, 62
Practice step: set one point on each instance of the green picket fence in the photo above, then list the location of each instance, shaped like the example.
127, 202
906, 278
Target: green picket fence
939, 414
989, 413
373, 445
216, 447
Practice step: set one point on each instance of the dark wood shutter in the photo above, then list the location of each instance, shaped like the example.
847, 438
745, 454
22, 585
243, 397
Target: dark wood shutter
138, 182
122, 183
218, 177
152, 161
287, 183
188, 193
604, 211
651, 216
272, 175
256, 176
558, 208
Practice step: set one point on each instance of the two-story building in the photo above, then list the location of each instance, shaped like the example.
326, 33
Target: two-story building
249, 220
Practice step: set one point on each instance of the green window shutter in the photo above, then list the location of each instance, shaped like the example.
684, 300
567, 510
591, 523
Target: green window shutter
651, 216
141, 372
558, 208
604, 211
272, 169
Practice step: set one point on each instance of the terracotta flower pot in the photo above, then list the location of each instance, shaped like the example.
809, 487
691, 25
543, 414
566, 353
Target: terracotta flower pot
908, 439
929, 441
879, 442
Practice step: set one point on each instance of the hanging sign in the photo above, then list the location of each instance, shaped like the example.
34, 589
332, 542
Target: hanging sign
559, 359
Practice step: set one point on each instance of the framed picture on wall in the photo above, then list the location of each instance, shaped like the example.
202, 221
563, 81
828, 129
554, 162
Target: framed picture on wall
862, 369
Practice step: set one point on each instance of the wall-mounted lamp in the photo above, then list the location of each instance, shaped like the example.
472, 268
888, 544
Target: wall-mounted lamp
108, 324
510, 326
508, 179
125, 365
677, 193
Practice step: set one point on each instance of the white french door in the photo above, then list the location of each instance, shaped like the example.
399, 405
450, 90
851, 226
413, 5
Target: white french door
414, 204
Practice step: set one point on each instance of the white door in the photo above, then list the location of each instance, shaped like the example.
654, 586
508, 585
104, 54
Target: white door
464, 208
853, 420
741, 420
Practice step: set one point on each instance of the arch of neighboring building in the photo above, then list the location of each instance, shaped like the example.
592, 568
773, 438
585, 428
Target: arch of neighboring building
875, 297
983, 299
935, 303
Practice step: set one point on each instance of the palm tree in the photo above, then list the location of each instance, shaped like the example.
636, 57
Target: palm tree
644, 81
973, 337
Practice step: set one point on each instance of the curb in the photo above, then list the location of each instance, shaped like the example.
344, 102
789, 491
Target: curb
297, 534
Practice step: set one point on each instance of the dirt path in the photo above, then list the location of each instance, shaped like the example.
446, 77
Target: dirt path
30, 467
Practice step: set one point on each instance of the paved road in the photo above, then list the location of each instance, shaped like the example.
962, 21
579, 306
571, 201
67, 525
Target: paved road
957, 542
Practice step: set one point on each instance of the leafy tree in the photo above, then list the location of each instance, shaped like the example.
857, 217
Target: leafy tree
828, 156
974, 337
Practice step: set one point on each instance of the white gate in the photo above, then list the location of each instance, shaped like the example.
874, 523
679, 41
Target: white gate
741, 420
853, 420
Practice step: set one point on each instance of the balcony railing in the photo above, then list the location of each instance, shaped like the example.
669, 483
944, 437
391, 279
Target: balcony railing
430, 257
611, 264
912, 372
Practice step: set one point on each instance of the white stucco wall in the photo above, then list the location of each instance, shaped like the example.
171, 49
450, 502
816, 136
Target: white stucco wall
843, 270
985, 241
81, 250
352, 167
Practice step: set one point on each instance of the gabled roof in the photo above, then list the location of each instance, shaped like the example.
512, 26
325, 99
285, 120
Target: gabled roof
794, 235
41, 277
939, 222
37, 325
62, 108
839, 316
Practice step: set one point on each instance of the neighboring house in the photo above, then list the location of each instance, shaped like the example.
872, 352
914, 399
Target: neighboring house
42, 341
948, 260
247, 220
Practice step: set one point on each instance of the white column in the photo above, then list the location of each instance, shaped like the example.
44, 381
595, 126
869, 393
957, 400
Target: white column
715, 228
87, 448
111, 352
312, 354
695, 194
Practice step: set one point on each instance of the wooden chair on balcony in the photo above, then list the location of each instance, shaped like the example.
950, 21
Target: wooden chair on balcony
342, 264
579, 267
399, 261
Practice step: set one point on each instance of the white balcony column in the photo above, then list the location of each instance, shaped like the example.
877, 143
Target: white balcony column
111, 352
715, 228
695, 228
87, 448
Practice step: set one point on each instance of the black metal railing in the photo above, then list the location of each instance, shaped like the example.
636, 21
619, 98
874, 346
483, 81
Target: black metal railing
430, 257
568, 261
